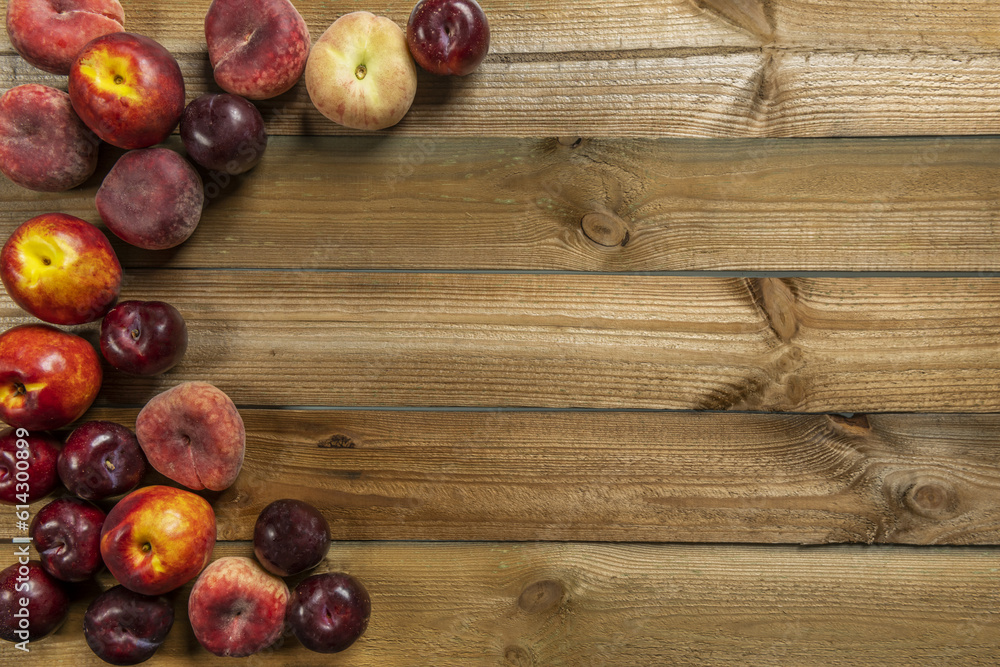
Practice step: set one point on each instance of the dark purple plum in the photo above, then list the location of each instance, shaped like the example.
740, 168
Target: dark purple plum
328, 612
67, 535
47, 605
290, 537
101, 459
448, 36
36, 476
143, 337
125, 628
223, 132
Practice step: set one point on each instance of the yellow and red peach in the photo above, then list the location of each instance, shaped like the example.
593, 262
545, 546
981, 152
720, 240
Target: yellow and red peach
158, 538
61, 269
128, 89
48, 377
44, 145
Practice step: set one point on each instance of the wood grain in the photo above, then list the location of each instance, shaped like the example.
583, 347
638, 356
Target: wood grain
744, 93
564, 340
664, 205
570, 604
619, 25
617, 476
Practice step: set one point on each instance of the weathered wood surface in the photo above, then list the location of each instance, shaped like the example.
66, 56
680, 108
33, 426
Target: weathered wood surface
324, 279
617, 25
702, 68
283, 338
618, 476
574, 604
595, 205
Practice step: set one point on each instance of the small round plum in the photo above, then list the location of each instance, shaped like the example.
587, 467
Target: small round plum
290, 537
67, 534
143, 337
42, 457
328, 612
223, 132
48, 603
101, 459
448, 36
123, 627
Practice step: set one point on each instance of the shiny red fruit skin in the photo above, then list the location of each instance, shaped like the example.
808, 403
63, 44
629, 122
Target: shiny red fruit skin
77, 289
40, 464
48, 377
101, 459
67, 535
125, 628
448, 36
224, 132
143, 337
48, 603
328, 612
151, 71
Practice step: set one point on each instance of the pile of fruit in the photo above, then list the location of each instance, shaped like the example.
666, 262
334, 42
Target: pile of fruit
127, 90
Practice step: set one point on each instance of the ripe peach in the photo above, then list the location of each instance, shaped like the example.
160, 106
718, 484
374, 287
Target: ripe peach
44, 145
237, 608
258, 48
128, 89
193, 434
49, 33
61, 269
152, 198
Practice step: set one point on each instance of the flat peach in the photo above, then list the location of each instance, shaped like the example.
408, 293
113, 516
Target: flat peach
44, 145
258, 48
194, 435
50, 33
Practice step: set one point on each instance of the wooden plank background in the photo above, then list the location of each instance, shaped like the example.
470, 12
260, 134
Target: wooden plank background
915, 204
577, 357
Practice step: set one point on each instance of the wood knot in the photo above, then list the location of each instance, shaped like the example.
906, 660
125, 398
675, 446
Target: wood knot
933, 500
856, 424
571, 142
605, 228
925, 495
540, 596
337, 441
517, 656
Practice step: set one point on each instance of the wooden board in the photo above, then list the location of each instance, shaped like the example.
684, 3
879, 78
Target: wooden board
694, 68
578, 354
567, 604
594, 205
617, 476
286, 338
